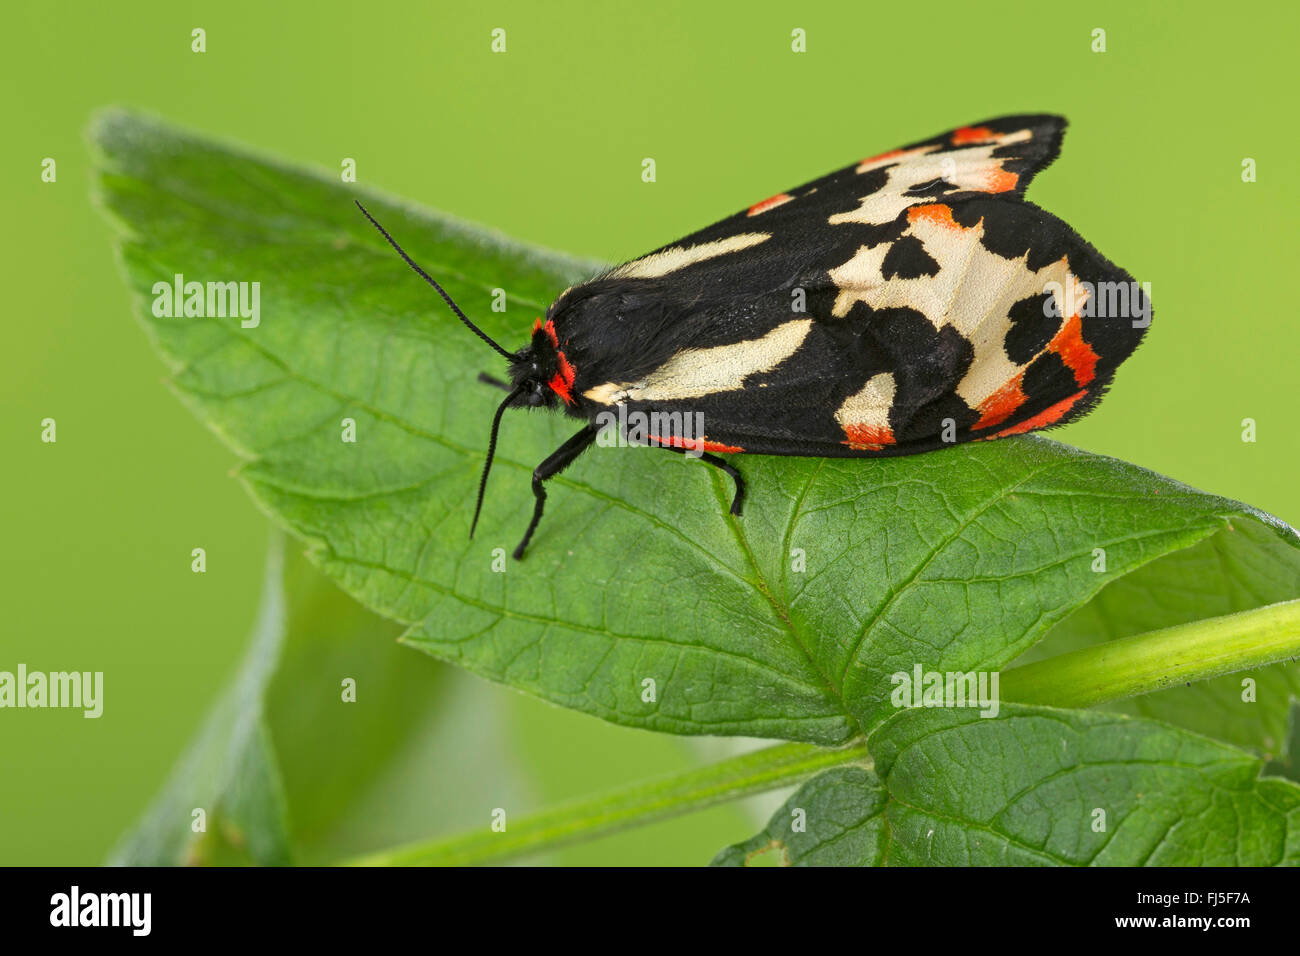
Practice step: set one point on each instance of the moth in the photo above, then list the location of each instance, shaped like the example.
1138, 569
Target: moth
906, 303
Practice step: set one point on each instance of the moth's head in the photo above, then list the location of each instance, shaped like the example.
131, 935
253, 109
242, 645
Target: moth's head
541, 373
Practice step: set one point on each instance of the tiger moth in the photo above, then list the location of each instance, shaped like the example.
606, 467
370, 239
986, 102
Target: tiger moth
906, 303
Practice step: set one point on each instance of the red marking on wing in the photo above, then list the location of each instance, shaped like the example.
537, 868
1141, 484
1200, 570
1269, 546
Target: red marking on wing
1077, 354
996, 179
566, 369
973, 134
769, 203
868, 437
1047, 416
549, 329
561, 388
677, 441
999, 180
561, 382
1002, 404
936, 213
892, 154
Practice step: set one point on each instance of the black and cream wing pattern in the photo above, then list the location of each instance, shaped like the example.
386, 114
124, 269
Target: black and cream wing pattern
907, 302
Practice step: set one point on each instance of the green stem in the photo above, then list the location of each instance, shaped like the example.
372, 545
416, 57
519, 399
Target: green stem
750, 773
1148, 662
1094, 675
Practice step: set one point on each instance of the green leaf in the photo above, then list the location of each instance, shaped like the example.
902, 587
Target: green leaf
785, 623
288, 771
283, 756
1036, 786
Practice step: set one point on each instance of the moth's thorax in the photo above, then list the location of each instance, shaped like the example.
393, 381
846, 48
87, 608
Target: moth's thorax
543, 371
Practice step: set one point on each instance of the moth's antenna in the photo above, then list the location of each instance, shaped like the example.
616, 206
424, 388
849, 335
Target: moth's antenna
429, 279
492, 450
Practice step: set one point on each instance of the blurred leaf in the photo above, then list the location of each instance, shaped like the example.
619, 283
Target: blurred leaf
1242, 568
229, 772
956, 560
283, 757
287, 772
1030, 788
330, 751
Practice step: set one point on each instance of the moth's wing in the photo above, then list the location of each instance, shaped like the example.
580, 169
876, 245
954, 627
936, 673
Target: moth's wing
996, 157
894, 306
1016, 324
864, 201
756, 248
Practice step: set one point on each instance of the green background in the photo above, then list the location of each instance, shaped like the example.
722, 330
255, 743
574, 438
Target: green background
545, 143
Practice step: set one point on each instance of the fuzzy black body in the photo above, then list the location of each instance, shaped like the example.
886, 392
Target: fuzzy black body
923, 271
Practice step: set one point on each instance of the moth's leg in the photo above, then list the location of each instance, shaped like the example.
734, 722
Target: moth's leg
559, 460
722, 465
495, 382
